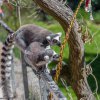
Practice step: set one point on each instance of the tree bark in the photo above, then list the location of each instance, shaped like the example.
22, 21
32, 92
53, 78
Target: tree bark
63, 14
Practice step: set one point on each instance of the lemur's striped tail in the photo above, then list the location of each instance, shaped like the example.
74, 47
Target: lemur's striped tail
6, 67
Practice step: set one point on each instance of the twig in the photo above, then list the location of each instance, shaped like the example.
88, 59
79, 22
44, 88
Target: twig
22, 6
19, 14
65, 85
96, 55
6, 27
96, 90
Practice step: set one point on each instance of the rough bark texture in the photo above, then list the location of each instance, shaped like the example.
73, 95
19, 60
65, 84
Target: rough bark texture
76, 48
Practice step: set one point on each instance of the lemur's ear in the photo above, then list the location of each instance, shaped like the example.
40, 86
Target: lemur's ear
59, 33
54, 53
47, 47
48, 38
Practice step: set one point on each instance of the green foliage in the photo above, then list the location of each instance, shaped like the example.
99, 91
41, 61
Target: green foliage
90, 49
95, 4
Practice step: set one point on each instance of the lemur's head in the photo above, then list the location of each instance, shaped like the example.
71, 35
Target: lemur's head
35, 56
50, 55
54, 39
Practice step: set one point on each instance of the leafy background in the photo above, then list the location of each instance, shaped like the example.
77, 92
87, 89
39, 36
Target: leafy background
30, 13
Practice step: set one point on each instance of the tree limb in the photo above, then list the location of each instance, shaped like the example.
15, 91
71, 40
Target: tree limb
6, 27
76, 47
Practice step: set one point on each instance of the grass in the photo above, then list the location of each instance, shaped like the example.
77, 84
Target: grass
91, 50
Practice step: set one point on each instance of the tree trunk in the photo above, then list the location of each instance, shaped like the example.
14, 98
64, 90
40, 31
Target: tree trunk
63, 15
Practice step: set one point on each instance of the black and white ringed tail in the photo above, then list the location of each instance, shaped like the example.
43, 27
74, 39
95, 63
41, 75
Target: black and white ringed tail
6, 67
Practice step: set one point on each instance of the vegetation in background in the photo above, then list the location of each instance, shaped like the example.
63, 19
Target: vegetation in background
91, 50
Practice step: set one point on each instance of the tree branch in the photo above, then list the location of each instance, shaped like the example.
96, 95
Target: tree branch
6, 27
76, 47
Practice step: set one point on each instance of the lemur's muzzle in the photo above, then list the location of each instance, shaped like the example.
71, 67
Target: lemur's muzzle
56, 56
59, 44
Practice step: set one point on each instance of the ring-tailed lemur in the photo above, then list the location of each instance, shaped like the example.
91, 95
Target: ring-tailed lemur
37, 56
31, 33
6, 67
43, 36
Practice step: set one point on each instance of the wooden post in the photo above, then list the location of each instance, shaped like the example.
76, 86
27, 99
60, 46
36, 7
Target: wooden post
25, 78
13, 78
43, 89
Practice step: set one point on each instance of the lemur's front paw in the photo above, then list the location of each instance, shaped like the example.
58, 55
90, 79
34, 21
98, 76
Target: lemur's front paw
26, 52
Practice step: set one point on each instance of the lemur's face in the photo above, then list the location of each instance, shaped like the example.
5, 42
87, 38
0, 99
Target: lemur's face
54, 39
50, 55
37, 58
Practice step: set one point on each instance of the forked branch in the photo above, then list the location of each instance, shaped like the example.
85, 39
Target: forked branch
63, 14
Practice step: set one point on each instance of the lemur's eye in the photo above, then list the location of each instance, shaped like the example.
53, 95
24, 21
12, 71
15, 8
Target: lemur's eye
55, 41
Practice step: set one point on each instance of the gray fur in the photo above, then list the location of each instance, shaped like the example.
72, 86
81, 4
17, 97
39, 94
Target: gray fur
31, 33
37, 56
